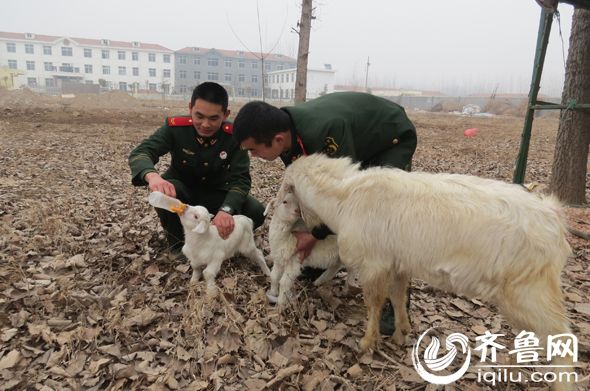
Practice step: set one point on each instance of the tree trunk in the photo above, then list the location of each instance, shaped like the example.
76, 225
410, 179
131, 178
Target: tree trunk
568, 177
303, 51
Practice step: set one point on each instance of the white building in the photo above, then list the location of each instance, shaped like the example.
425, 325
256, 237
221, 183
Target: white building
49, 62
281, 84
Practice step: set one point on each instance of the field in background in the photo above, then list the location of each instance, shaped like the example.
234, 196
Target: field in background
89, 299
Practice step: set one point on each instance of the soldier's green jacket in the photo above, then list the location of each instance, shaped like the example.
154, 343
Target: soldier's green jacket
353, 124
214, 163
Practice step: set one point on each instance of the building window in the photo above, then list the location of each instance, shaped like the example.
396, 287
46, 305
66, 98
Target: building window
88, 53
196, 75
122, 71
134, 56
254, 65
213, 62
49, 82
254, 92
29, 48
122, 86
212, 76
254, 78
30, 65
227, 77
106, 70
105, 54
241, 64
183, 89
47, 51
12, 64
241, 77
227, 62
152, 57
166, 58
152, 72
280, 67
87, 68
182, 74
66, 51
32, 81
166, 73
121, 55
197, 61
11, 47
48, 66
182, 59
135, 71
267, 66
152, 86
241, 92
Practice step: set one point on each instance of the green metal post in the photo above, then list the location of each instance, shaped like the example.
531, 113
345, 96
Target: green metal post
541, 50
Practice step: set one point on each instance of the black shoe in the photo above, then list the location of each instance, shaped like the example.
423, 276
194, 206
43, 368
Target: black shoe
387, 321
310, 273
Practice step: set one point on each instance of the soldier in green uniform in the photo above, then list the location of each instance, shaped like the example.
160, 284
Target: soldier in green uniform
369, 129
207, 168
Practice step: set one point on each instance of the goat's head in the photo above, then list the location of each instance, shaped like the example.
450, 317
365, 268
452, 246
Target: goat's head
196, 219
288, 208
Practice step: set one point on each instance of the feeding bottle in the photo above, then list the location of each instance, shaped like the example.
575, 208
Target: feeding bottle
161, 200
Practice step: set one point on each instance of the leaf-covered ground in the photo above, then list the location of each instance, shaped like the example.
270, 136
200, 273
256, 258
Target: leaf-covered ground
91, 301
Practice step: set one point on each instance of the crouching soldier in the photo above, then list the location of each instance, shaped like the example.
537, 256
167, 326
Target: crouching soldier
207, 167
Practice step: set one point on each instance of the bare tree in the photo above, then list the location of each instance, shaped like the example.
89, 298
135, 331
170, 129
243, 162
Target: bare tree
303, 52
568, 177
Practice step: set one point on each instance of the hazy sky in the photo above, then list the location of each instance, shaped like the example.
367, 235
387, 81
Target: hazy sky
451, 46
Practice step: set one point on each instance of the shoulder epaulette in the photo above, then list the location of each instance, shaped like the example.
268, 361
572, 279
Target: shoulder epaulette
228, 127
180, 121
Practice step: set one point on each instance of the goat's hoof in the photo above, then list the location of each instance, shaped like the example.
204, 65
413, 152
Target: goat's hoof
271, 298
366, 343
399, 338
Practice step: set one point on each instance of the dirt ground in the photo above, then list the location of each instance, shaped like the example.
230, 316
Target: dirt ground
90, 300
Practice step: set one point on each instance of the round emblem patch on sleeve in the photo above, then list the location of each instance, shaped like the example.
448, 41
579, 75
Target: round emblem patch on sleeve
223, 155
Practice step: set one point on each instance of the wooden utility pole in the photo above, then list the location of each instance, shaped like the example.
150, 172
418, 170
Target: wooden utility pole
303, 51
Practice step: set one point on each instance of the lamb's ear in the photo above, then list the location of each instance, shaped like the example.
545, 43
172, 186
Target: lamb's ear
284, 189
202, 227
211, 216
268, 206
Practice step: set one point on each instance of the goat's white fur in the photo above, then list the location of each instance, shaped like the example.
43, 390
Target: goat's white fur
472, 236
286, 264
206, 250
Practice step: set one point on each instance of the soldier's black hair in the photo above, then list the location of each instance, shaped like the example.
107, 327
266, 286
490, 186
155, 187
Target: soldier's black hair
260, 121
212, 93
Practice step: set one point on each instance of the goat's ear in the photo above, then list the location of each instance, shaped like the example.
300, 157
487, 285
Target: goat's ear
268, 206
211, 216
201, 228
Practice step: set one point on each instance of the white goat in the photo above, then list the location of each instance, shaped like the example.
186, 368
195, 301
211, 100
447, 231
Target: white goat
204, 248
287, 266
472, 236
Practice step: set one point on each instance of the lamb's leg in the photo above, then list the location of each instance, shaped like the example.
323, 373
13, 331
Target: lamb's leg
254, 254
537, 305
375, 291
278, 268
210, 273
292, 271
328, 274
399, 298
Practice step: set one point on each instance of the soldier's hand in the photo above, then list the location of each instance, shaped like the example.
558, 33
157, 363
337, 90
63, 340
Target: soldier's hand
305, 243
157, 183
224, 223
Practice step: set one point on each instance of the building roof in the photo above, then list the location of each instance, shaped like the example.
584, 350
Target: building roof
235, 54
83, 41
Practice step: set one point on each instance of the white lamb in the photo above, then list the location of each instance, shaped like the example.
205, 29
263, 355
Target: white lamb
472, 236
287, 266
204, 248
